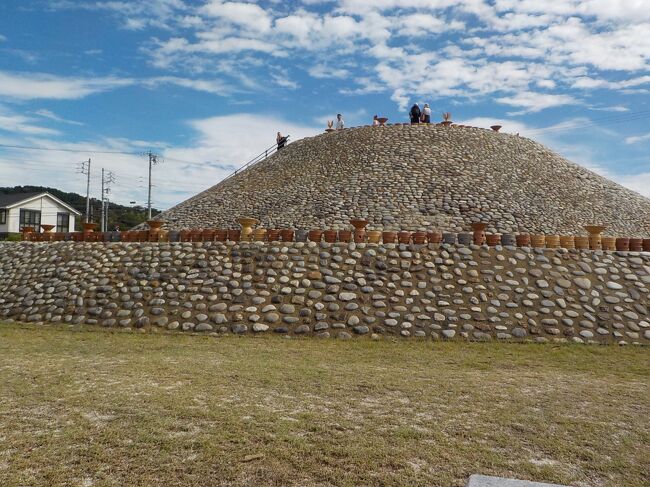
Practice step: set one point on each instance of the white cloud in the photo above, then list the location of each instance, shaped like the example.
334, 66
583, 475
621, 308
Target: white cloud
23, 125
214, 86
30, 86
535, 102
281, 78
53, 116
637, 138
614, 108
245, 15
587, 82
322, 71
133, 15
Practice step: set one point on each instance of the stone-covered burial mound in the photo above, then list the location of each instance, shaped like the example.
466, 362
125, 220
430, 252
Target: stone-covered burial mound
410, 177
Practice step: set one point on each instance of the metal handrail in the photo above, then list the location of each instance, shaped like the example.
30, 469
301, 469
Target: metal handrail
258, 158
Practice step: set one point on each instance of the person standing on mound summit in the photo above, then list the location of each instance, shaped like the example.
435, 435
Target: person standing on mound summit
415, 113
339, 122
426, 114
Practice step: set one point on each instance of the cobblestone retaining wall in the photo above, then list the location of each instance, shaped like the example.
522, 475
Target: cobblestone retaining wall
332, 290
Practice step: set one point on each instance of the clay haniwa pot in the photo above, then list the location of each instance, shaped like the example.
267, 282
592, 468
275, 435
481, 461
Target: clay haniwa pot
493, 239
622, 244
538, 241
419, 238
259, 234
286, 234
434, 237
523, 240
464, 238
636, 244
388, 237
404, 237
359, 223
374, 236
479, 232
595, 235
345, 236
330, 236
220, 235
315, 235
89, 227
155, 224
360, 235
209, 234
552, 241
567, 242
609, 243
234, 234
581, 243
247, 227
273, 235
508, 239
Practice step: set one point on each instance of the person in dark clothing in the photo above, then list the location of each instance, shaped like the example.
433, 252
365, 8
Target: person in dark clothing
415, 113
280, 140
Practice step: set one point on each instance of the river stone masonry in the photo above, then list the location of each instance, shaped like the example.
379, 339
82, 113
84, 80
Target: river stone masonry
417, 177
332, 290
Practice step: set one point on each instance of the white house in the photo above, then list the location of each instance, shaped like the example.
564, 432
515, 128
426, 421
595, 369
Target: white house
20, 210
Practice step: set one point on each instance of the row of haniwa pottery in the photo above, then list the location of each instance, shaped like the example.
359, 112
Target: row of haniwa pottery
369, 236
595, 241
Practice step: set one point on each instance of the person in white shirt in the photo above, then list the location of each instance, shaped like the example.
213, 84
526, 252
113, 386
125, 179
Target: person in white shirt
339, 122
426, 113
375, 121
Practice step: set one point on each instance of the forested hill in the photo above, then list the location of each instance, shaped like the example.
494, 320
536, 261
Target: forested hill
124, 216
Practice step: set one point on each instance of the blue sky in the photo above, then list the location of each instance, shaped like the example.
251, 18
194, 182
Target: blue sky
208, 83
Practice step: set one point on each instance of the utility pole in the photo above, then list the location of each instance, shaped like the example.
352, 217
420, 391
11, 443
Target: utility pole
106, 213
101, 225
85, 169
153, 161
107, 179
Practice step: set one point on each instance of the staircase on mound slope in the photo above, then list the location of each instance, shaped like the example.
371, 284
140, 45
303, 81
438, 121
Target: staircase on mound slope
418, 176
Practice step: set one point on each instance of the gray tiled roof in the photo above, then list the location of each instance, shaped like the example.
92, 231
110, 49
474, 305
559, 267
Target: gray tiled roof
13, 198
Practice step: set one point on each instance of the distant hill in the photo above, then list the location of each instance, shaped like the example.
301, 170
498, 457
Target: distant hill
124, 216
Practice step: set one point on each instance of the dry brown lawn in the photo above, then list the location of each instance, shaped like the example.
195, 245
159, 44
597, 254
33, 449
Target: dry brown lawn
88, 407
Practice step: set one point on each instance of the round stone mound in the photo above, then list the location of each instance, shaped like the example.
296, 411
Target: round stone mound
415, 177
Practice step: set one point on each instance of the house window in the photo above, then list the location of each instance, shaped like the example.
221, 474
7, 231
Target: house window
63, 222
30, 218
3, 217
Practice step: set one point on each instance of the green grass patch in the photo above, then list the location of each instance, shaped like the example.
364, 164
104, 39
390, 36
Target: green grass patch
89, 407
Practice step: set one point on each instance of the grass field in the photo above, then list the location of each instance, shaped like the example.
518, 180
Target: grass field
89, 407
